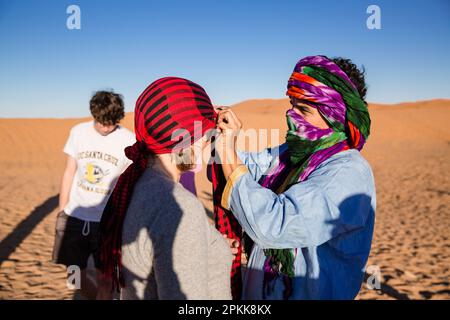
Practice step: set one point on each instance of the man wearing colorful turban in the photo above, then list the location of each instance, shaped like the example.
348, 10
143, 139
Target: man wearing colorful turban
308, 205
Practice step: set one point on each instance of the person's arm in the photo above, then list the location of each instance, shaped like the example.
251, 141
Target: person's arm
308, 214
259, 162
66, 182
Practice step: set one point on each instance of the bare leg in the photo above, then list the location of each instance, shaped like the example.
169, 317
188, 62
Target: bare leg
88, 287
104, 290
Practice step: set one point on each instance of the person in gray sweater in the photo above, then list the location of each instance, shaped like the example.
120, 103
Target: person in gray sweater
169, 249
156, 240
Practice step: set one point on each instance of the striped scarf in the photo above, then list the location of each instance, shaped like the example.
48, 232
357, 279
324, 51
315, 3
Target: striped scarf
170, 115
320, 83
227, 224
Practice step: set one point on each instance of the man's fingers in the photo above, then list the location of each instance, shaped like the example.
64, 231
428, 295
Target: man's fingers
229, 117
218, 109
224, 114
230, 113
234, 117
232, 242
222, 117
222, 126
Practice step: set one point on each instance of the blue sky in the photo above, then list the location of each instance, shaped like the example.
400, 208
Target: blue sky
236, 49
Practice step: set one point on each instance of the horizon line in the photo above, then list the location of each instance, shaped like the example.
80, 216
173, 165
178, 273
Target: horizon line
244, 101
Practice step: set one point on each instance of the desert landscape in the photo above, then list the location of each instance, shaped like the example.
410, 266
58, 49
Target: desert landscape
409, 151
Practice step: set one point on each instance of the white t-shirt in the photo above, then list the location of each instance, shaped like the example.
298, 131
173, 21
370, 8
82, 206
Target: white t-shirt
100, 161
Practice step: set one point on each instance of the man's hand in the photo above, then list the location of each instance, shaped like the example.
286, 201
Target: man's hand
234, 245
228, 125
227, 122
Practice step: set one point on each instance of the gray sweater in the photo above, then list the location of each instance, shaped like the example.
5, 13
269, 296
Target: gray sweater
169, 249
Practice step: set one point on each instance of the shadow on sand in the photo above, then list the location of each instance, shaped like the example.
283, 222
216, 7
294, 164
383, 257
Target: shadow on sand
25, 227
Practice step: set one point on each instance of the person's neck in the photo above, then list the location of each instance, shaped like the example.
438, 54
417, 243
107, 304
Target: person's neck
164, 164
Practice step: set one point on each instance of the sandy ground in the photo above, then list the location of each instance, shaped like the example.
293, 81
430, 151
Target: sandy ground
409, 151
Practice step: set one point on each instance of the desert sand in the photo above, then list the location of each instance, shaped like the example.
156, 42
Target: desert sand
409, 151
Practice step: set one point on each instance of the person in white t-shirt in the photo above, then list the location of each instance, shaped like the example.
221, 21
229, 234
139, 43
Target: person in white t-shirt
95, 160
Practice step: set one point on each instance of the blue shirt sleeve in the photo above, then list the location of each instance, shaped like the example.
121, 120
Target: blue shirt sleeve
259, 162
334, 200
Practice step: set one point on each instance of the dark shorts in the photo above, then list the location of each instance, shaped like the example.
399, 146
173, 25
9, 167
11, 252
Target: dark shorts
75, 241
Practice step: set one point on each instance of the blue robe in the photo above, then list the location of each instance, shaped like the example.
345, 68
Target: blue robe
328, 219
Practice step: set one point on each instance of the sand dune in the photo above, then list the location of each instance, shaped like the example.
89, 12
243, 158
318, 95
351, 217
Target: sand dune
409, 151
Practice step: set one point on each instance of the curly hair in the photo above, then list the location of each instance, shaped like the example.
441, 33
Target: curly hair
355, 74
107, 107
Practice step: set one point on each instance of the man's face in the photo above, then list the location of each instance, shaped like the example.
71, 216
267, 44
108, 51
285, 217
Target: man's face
104, 130
310, 114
